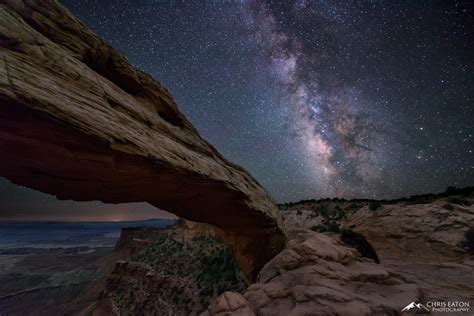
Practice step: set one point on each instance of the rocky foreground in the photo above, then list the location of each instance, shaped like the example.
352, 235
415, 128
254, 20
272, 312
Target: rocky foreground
419, 243
98, 129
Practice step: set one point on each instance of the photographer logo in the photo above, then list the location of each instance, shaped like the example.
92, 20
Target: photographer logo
438, 306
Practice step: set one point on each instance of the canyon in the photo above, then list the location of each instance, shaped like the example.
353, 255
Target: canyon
78, 121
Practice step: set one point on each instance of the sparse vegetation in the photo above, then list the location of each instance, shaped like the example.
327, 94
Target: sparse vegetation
458, 199
414, 199
331, 217
207, 264
421, 199
320, 209
362, 245
354, 206
375, 205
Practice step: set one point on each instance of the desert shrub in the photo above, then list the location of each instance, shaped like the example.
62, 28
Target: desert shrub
338, 214
451, 190
373, 206
205, 265
460, 200
354, 206
421, 199
330, 217
362, 245
468, 242
448, 207
321, 209
332, 227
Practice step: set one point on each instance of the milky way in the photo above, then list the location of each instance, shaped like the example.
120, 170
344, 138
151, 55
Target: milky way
333, 127
314, 98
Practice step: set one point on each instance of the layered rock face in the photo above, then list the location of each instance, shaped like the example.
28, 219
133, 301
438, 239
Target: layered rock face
422, 241
317, 274
168, 271
418, 239
418, 244
79, 122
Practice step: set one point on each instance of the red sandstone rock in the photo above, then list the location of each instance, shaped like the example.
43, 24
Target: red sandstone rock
317, 274
78, 121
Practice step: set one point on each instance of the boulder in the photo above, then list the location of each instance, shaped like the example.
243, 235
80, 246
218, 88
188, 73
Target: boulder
316, 274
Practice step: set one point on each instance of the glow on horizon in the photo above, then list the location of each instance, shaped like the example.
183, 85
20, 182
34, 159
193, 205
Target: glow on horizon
105, 218
19, 203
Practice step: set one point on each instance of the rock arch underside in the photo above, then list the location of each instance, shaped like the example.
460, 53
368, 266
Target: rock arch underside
79, 122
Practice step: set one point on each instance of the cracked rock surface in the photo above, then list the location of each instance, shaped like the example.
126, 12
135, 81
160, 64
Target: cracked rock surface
317, 274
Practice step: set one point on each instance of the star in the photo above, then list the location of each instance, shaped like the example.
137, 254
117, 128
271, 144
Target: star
348, 99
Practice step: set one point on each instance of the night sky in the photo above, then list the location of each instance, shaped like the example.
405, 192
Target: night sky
314, 98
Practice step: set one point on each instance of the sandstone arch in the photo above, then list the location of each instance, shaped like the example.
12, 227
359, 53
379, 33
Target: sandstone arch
78, 121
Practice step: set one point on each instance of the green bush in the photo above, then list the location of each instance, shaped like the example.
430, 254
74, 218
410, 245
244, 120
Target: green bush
460, 200
333, 227
423, 199
338, 214
373, 206
354, 206
205, 265
330, 217
320, 209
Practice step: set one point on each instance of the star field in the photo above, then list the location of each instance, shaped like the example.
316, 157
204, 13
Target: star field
314, 98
